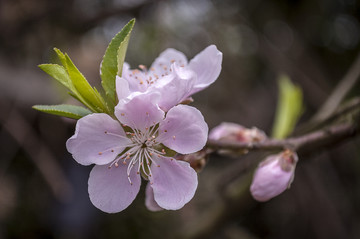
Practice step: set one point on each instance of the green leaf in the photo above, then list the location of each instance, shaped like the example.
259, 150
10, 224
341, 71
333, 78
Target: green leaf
61, 56
58, 73
289, 108
70, 111
83, 88
113, 60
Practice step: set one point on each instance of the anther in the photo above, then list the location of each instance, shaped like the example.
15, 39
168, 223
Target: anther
174, 137
100, 153
137, 172
105, 132
142, 67
122, 114
165, 130
112, 151
172, 61
141, 82
163, 151
116, 164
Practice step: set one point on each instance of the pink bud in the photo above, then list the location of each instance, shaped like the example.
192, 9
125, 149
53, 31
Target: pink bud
273, 175
235, 132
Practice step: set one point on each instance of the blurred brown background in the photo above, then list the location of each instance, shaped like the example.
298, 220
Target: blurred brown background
43, 191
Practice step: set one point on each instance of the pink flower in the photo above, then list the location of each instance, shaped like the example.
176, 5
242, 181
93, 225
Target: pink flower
173, 76
235, 132
274, 175
137, 143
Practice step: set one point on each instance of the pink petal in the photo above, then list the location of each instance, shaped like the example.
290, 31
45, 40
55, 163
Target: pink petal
140, 112
122, 88
98, 139
135, 78
110, 189
162, 64
150, 202
174, 183
174, 88
184, 129
207, 66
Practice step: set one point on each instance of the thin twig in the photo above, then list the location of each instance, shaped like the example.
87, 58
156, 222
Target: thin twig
305, 142
340, 91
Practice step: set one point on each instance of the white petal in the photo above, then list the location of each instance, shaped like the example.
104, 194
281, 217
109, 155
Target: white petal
110, 189
98, 139
184, 130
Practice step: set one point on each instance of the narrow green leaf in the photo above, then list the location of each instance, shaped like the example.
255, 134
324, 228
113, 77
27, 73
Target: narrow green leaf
83, 87
113, 60
61, 56
58, 73
70, 111
289, 108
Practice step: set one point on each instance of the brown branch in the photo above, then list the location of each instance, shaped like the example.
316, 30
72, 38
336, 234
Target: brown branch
304, 143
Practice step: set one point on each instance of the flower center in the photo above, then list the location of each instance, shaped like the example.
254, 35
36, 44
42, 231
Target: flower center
139, 153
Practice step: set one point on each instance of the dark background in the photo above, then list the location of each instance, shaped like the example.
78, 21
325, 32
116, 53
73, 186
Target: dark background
43, 191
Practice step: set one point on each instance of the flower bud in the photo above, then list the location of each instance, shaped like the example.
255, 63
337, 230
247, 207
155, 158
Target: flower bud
231, 132
273, 175
234, 132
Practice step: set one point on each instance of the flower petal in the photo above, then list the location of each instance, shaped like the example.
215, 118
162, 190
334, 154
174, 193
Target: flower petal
141, 111
109, 188
174, 88
161, 65
135, 78
150, 202
184, 129
174, 182
207, 66
98, 139
122, 88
